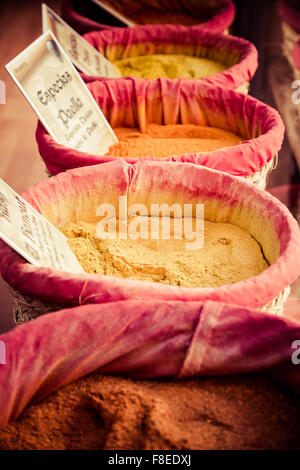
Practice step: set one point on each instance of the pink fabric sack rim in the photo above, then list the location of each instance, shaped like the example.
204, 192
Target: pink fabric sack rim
82, 24
232, 78
130, 338
174, 101
290, 15
61, 288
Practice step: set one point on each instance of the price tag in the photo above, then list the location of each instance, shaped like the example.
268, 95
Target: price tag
58, 95
33, 236
112, 11
84, 56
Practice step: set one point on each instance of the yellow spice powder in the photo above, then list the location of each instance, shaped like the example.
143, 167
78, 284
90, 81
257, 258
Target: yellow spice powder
168, 66
229, 255
162, 141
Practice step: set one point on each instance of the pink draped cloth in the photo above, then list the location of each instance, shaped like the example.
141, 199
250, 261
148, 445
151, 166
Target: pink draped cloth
148, 339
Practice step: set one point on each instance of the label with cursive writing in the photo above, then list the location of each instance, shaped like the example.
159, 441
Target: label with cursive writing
63, 103
84, 56
32, 235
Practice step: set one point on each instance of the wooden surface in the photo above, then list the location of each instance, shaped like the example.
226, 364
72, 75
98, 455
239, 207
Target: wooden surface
20, 164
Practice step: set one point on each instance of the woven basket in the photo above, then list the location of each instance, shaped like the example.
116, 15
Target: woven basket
76, 194
260, 178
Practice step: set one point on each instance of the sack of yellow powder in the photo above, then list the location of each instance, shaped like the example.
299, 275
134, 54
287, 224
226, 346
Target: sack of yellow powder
168, 51
216, 15
140, 339
136, 103
76, 195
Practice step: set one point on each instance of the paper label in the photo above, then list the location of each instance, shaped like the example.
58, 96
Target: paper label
124, 19
33, 236
84, 56
55, 90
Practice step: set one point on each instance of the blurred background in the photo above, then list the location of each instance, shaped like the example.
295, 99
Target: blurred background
256, 20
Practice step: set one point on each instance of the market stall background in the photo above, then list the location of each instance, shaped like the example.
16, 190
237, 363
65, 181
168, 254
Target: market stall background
20, 164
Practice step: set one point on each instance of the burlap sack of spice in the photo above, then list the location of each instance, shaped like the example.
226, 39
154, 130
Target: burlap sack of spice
136, 103
148, 339
237, 54
76, 194
216, 15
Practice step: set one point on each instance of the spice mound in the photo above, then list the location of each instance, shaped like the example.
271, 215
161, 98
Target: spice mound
103, 412
168, 66
229, 254
173, 139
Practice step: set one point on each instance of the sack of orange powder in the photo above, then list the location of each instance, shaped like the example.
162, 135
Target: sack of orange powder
137, 103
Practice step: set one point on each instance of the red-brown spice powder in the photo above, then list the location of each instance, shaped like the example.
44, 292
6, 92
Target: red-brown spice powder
162, 141
104, 412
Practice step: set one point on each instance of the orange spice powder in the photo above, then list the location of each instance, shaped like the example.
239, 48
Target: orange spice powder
104, 412
174, 139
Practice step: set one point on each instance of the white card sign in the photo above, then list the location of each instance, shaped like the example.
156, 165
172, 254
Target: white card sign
112, 11
58, 95
32, 235
84, 56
